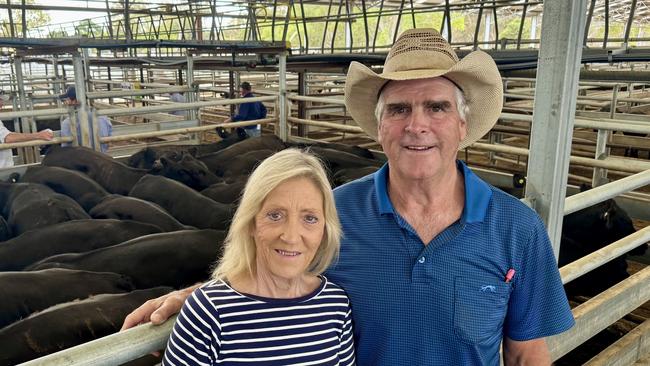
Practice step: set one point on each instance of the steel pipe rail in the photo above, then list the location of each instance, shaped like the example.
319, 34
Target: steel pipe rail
136, 92
177, 106
325, 124
33, 113
626, 350
122, 347
600, 123
603, 255
601, 193
601, 311
186, 130
594, 163
54, 141
316, 99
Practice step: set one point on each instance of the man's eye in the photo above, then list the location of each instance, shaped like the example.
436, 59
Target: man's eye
274, 215
311, 219
397, 110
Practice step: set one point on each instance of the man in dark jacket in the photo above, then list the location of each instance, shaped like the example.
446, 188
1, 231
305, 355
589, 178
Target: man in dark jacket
249, 111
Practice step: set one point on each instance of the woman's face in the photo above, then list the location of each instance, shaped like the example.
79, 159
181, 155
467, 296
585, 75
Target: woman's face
289, 229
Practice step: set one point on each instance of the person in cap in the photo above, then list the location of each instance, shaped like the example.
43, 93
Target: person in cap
7, 137
249, 111
440, 267
104, 124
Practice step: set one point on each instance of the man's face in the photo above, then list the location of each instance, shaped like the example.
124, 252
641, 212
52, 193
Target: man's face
243, 91
420, 128
70, 102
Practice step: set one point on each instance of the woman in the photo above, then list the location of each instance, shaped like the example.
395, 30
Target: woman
267, 302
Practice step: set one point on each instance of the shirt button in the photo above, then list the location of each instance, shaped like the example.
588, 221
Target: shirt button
421, 260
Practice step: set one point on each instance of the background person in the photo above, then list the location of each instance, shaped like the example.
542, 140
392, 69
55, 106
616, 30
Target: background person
249, 111
7, 137
104, 124
268, 302
177, 97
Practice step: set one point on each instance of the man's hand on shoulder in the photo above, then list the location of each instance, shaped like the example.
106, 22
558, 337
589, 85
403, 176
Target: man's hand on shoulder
158, 310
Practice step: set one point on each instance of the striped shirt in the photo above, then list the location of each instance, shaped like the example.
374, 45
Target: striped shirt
220, 326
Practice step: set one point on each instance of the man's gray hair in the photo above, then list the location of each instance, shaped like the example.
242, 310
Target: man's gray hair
461, 105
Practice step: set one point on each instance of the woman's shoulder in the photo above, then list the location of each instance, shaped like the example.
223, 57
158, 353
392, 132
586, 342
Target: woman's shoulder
332, 288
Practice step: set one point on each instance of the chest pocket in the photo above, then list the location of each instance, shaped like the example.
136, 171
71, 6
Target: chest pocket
480, 307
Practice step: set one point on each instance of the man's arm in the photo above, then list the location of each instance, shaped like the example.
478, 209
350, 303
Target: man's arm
158, 310
22, 137
533, 352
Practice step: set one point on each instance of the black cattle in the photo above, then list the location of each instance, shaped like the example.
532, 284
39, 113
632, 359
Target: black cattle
187, 170
243, 164
131, 208
177, 259
343, 176
218, 161
114, 176
68, 237
354, 150
118, 178
185, 204
5, 230
336, 160
588, 230
24, 293
145, 158
34, 206
227, 192
66, 325
85, 191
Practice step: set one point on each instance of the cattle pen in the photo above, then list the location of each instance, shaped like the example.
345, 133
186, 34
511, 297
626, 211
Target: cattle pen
575, 114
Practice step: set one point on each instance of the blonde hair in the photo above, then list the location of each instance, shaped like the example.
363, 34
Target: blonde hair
239, 247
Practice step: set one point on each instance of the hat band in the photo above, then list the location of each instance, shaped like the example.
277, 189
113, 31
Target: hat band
441, 76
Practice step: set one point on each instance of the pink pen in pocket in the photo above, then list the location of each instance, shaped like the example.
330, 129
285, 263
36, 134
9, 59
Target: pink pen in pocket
510, 274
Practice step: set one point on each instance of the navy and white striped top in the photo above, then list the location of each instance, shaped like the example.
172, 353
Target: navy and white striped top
220, 326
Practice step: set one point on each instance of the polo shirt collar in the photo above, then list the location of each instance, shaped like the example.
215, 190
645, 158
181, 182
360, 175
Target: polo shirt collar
477, 194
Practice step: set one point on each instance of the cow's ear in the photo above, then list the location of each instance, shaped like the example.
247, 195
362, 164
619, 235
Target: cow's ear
194, 151
186, 158
164, 161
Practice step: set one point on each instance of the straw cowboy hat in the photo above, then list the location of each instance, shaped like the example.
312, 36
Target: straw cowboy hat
421, 54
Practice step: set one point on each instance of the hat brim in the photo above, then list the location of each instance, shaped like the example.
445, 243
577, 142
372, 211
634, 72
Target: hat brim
476, 74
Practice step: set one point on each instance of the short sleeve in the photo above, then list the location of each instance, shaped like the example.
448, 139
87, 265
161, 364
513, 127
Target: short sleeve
3, 132
193, 340
66, 131
538, 305
346, 353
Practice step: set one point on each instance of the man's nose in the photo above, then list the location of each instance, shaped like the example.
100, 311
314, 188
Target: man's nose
417, 121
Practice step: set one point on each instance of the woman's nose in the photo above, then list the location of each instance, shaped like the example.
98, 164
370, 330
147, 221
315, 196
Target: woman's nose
291, 231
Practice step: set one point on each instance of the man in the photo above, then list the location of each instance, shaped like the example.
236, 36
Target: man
439, 266
105, 126
8, 137
249, 111
177, 97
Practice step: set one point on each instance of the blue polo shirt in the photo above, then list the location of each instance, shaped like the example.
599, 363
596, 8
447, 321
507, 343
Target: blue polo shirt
447, 302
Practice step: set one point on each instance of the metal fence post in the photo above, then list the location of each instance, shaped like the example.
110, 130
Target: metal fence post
554, 110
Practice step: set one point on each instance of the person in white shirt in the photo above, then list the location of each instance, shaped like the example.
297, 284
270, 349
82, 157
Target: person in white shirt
7, 137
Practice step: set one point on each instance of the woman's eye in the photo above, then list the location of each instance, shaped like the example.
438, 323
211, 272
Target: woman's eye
274, 215
311, 219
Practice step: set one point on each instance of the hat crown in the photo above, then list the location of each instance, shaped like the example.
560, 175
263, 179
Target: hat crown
420, 49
